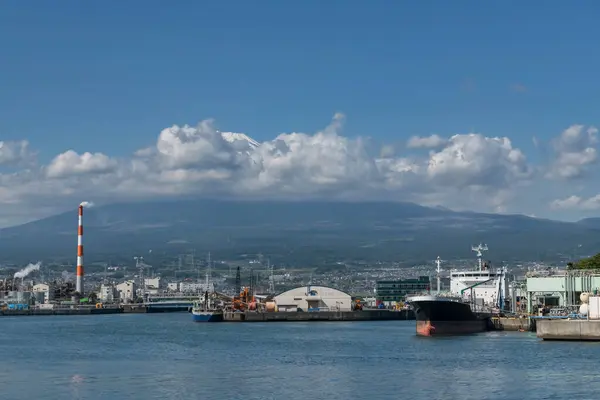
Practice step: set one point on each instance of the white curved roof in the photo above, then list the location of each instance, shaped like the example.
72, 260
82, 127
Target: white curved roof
322, 291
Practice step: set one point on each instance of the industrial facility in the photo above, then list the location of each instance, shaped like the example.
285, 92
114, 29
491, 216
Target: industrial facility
313, 298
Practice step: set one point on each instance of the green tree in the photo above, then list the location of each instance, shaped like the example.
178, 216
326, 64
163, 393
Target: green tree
592, 262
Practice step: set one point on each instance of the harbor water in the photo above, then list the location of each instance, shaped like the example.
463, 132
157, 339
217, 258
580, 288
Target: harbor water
167, 356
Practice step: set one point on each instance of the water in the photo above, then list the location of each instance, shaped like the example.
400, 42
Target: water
169, 357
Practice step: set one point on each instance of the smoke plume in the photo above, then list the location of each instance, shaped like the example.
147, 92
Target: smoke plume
67, 276
86, 204
28, 269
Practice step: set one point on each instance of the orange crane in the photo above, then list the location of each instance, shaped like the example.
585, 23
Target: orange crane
244, 301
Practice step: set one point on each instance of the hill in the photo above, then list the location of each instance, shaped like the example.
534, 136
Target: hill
300, 232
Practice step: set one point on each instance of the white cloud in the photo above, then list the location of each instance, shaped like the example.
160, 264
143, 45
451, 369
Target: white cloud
70, 163
428, 142
467, 171
575, 150
12, 153
475, 160
577, 203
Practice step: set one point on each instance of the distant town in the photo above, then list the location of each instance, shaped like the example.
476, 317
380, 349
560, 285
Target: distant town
193, 274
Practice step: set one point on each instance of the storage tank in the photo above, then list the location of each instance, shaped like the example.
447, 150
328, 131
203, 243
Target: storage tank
270, 306
584, 297
583, 309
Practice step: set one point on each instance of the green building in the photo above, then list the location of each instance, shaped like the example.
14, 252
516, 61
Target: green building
396, 291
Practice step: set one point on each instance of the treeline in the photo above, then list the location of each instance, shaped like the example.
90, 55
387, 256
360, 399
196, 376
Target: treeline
592, 262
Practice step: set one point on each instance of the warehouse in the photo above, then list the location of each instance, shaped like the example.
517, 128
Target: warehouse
313, 298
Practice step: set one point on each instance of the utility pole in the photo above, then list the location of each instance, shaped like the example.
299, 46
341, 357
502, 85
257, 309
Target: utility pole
271, 277
139, 263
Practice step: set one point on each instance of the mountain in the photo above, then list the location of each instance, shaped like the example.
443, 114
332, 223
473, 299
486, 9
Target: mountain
299, 232
590, 222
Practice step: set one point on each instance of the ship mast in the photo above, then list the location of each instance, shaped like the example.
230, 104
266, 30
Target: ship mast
438, 263
207, 277
479, 250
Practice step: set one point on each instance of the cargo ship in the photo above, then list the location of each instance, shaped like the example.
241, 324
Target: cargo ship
467, 308
438, 315
206, 311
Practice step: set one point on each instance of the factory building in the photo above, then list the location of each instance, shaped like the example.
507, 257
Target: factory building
107, 294
391, 292
43, 290
173, 286
313, 298
190, 287
560, 289
126, 291
153, 283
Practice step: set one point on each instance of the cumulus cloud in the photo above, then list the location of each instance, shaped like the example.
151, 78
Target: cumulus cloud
14, 153
429, 142
475, 160
466, 171
577, 203
70, 163
575, 150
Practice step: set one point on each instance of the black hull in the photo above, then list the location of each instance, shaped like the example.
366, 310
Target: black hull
444, 317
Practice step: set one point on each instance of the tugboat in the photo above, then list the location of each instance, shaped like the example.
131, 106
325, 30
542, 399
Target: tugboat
468, 307
205, 311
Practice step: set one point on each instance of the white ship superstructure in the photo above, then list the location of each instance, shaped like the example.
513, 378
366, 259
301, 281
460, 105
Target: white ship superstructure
483, 286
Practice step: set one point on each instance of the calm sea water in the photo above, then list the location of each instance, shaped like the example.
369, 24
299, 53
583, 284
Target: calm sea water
170, 357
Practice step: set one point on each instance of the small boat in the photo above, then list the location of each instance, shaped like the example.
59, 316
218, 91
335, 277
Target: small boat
205, 311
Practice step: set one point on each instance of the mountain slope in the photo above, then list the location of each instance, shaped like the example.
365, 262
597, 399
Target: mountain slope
300, 232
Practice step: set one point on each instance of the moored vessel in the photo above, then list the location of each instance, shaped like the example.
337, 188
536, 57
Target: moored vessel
206, 311
468, 307
438, 315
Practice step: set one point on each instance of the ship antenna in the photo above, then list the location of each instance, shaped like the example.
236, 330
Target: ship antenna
438, 263
479, 250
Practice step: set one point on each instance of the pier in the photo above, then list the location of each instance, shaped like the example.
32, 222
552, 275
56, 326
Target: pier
289, 316
516, 323
568, 329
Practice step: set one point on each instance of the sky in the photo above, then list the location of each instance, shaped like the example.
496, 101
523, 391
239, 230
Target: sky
485, 107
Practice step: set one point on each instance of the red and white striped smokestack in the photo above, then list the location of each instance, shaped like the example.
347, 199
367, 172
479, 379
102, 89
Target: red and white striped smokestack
79, 282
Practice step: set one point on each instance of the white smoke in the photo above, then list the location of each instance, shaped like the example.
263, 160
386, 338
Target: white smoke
67, 276
27, 270
86, 204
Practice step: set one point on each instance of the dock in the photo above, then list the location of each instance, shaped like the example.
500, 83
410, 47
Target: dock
61, 311
515, 324
293, 316
140, 308
568, 329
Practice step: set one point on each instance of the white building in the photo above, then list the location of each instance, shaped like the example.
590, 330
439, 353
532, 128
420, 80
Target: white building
44, 288
309, 298
173, 286
189, 287
153, 283
126, 290
107, 293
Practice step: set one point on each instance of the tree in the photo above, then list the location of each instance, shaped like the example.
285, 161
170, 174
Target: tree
93, 298
592, 262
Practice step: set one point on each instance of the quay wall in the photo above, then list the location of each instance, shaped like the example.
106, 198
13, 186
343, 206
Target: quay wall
564, 329
363, 315
522, 323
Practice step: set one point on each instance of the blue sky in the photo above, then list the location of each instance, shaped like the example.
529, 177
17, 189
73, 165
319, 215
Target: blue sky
109, 76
